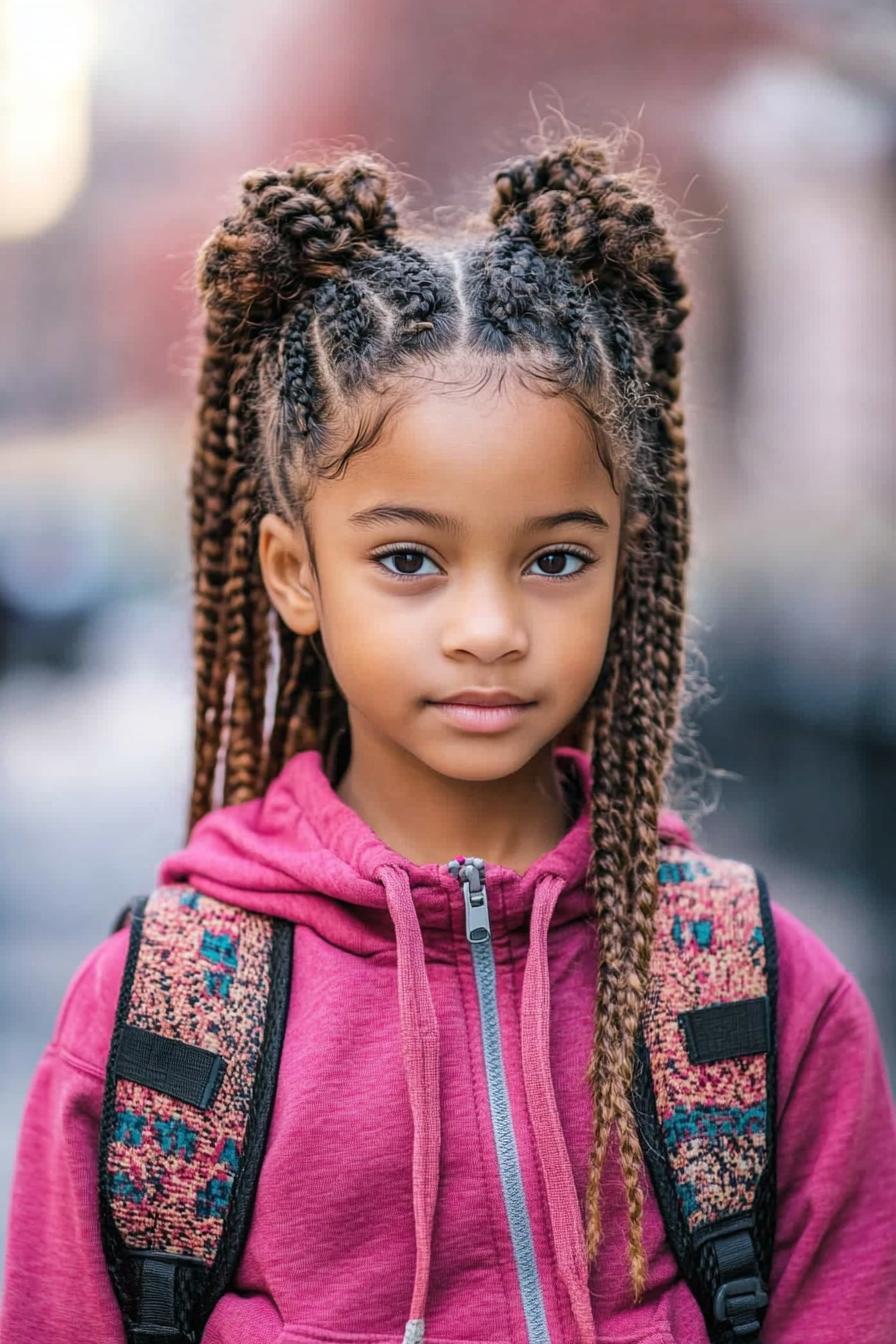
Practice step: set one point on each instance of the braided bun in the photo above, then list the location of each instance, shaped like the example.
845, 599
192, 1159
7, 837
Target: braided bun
295, 226
572, 203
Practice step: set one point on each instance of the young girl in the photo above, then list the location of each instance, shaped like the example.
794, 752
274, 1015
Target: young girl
440, 530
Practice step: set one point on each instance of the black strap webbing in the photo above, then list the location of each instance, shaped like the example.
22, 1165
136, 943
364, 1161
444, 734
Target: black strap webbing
186, 1072
157, 1292
725, 1030
157, 1318
741, 1294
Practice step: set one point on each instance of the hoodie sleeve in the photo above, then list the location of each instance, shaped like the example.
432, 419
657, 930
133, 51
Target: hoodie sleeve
834, 1263
57, 1288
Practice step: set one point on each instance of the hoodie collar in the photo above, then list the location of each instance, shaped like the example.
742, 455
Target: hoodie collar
301, 838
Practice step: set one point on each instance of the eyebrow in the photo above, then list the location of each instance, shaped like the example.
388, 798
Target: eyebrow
446, 522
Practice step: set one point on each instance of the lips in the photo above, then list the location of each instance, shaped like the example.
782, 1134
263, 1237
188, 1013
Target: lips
482, 718
487, 699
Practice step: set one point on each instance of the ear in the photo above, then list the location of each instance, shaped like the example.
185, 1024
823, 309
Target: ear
286, 569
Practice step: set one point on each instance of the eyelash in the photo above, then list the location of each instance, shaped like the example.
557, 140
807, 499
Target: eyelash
376, 556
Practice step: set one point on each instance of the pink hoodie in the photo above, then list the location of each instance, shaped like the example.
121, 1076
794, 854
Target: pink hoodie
384, 1197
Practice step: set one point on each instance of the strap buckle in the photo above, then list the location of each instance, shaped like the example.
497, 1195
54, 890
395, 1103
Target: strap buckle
740, 1298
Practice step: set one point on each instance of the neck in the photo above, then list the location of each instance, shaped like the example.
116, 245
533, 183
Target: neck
430, 817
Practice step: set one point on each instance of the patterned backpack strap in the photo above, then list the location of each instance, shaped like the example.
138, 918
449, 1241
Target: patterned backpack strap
705, 1083
190, 1084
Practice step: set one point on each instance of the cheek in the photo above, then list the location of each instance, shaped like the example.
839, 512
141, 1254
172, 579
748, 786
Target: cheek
580, 654
357, 597
371, 656
576, 634
375, 639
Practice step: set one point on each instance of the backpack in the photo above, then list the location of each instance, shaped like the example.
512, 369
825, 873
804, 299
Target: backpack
184, 1126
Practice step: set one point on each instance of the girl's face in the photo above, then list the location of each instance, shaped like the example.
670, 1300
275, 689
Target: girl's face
444, 566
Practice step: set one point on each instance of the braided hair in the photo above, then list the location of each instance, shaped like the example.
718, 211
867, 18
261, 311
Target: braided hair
316, 305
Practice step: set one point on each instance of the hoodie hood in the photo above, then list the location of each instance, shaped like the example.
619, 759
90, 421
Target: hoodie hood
301, 839
301, 853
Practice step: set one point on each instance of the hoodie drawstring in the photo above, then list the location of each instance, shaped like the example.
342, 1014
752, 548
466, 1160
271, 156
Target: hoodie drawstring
420, 1053
553, 1156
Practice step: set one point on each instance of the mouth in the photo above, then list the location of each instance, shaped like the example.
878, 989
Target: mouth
490, 699
482, 718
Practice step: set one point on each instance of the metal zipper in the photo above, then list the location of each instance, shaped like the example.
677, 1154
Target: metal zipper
470, 873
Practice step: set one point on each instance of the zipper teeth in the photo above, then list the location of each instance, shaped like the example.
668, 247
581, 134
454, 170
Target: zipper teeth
499, 1102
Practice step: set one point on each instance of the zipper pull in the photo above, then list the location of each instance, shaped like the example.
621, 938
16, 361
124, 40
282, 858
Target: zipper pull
470, 873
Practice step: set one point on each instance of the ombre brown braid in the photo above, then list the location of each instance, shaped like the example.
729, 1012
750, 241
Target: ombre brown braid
316, 309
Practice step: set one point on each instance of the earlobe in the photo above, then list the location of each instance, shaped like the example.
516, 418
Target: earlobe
286, 571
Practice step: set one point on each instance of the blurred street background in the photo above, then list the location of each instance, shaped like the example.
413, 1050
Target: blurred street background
125, 131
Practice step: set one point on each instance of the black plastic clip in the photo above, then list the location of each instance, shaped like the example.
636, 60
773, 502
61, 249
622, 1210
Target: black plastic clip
740, 1298
732, 1278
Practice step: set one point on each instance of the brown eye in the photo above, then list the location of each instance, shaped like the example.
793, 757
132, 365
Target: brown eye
553, 563
407, 562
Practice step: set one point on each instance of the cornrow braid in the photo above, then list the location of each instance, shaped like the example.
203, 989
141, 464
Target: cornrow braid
415, 291
316, 304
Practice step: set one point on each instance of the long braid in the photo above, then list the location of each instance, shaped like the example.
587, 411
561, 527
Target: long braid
649, 718
247, 638
606, 875
210, 525
664, 642
640, 721
289, 681
630, 798
292, 411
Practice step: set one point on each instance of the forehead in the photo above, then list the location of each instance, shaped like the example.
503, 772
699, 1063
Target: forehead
487, 455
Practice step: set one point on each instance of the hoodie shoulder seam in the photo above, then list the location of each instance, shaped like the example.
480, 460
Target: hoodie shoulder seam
82, 1065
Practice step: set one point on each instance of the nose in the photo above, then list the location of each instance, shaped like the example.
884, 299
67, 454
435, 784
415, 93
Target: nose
486, 619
